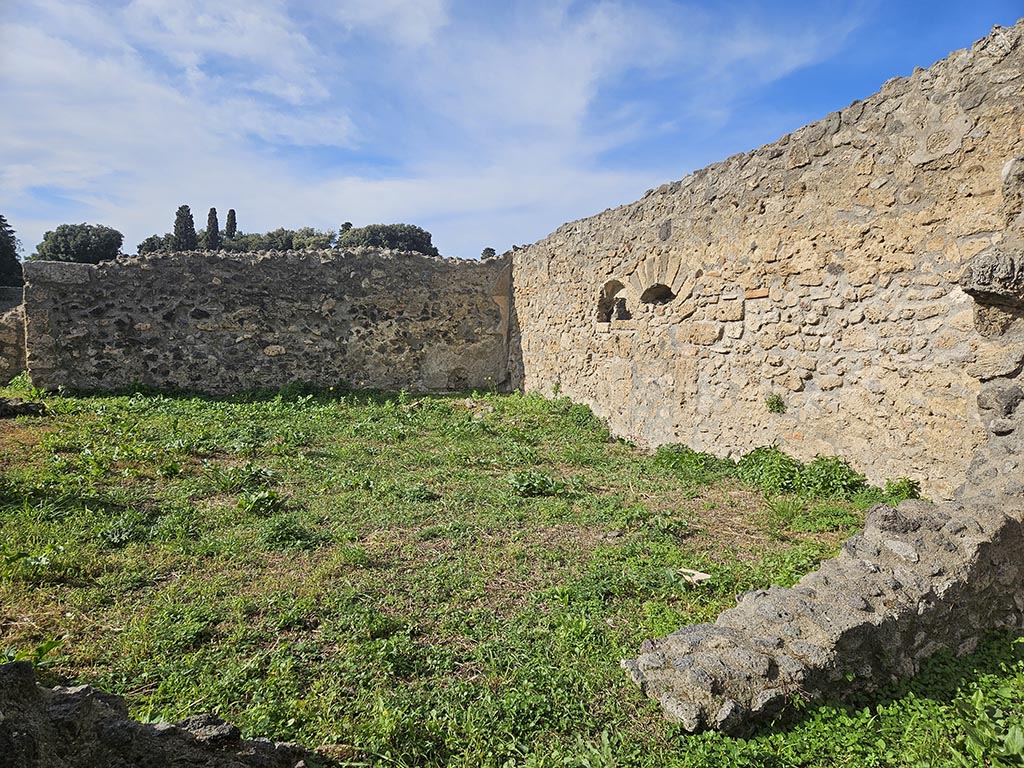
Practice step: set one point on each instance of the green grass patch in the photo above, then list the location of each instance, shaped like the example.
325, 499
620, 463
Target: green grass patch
431, 580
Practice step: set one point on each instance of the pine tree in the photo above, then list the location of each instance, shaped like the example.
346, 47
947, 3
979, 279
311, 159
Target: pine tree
212, 231
230, 227
10, 267
185, 238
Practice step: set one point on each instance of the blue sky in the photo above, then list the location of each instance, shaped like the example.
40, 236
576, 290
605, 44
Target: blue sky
488, 123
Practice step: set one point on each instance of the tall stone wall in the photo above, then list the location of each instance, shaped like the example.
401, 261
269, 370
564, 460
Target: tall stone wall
821, 269
221, 323
12, 334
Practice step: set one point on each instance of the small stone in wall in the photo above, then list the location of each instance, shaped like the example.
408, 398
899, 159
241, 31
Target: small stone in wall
996, 360
274, 350
830, 381
705, 334
729, 311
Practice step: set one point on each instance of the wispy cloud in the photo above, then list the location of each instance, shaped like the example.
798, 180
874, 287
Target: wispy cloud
488, 123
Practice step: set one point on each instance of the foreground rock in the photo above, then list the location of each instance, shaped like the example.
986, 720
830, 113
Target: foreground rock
82, 727
919, 579
12, 406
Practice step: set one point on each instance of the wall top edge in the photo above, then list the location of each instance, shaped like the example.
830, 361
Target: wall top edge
65, 271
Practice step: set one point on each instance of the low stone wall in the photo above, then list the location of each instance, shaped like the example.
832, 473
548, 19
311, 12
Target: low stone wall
12, 334
822, 269
218, 323
919, 579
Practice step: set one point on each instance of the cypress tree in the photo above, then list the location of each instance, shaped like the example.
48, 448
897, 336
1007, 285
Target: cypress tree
212, 231
10, 267
185, 230
230, 227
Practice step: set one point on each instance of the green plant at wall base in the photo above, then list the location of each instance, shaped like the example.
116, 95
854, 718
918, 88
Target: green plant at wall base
829, 477
771, 470
901, 489
694, 466
993, 736
774, 403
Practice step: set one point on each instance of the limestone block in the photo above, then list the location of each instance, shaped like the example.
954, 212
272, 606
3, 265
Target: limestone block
859, 340
729, 311
994, 360
829, 381
704, 333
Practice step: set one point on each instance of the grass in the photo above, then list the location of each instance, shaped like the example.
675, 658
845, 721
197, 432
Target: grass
402, 580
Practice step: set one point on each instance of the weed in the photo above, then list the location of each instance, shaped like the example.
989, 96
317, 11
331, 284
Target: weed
901, 489
694, 467
37, 655
533, 483
286, 532
246, 477
261, 503
770, 470
774, 403
830, 477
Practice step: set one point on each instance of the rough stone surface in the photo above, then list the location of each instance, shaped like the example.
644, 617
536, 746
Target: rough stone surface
825, 267
214, 322
12, 334
920, 578
82, 727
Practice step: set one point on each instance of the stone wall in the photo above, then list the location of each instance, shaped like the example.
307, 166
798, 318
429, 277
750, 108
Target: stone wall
822, 268
221, 323
919, 579
12, 334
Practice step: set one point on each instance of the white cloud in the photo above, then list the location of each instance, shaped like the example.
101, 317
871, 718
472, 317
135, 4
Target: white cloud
485, 127
408, 22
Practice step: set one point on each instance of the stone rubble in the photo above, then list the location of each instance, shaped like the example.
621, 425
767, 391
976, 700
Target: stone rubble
920, 578
82, 727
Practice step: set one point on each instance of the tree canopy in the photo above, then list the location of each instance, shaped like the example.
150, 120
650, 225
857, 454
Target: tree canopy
211, 236
10, 266
84, 243
400, 237
185, 238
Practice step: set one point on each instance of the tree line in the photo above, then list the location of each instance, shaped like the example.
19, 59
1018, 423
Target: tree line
93, 243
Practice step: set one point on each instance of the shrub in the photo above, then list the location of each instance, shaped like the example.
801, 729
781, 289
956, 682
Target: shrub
400, 237
701, 468
83, 243
829, 477
771, 470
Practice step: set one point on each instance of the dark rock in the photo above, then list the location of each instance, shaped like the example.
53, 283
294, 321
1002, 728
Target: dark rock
82, 727
12, 406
